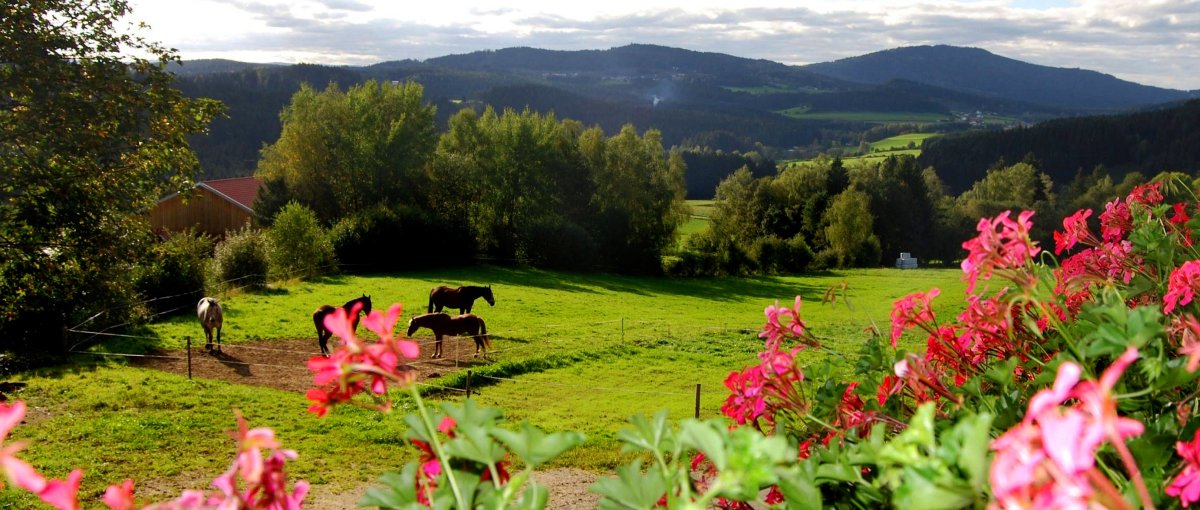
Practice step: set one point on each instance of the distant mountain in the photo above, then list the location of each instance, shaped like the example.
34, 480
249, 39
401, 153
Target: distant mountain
696, 99
1149, 142
212, 65
977, 71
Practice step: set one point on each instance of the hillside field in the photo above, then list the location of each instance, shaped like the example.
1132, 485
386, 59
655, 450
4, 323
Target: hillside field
575, 351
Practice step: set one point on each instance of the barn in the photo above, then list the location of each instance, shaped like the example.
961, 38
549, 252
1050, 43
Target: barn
212, 207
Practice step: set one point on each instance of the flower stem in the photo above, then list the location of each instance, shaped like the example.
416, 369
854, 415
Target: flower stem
437, 447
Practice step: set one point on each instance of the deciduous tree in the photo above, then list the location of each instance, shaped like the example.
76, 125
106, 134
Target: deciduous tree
92, 133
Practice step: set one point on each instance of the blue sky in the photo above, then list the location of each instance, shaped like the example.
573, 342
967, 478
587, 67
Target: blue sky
1155, 42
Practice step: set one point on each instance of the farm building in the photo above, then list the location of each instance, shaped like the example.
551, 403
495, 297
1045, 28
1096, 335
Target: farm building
212, 207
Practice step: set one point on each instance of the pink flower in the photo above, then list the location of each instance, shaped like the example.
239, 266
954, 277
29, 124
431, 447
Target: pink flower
120, 497
914, 309
1181, 285
1075, 229
745, 402
1186, 485
1010, 247
61, 494
383, 324
1115, 221
775, 330
1146, 194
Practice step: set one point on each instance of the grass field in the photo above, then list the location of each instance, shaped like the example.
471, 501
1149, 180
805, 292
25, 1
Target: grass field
578, 351
879, 117
900, 142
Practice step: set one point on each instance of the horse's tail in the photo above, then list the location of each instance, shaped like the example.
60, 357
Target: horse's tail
487, 341
429, 309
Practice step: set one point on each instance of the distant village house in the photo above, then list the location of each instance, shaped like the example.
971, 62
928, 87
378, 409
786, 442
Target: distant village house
212, 207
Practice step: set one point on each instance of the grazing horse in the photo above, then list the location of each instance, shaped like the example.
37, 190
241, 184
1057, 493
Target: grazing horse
208, 310
363, 305
461, 298
443, 324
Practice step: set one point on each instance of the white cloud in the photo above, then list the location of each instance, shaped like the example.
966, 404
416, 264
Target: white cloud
1152, 42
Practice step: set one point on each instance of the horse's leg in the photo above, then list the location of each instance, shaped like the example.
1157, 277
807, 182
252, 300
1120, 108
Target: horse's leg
207, 338
218, 338
437, 346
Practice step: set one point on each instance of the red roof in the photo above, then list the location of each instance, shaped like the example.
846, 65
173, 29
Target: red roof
239, 189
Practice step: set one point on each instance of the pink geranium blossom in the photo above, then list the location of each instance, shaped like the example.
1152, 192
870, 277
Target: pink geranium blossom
1002, 243
915, 309
357, 366
776, 329
1186, 485
1075, 230
1182, 285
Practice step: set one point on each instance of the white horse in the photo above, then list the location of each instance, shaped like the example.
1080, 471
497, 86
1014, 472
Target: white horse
208, 310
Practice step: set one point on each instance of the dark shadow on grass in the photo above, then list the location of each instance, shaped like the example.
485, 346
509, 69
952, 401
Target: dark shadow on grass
238, 366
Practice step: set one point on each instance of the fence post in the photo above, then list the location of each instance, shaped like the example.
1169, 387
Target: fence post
622, 330
468, 385
189, 356
697, 401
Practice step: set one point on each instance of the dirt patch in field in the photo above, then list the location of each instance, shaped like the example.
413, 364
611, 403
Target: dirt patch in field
282, 364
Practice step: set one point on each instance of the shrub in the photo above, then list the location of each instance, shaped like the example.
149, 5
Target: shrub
298, 246
240, 261
389, 238
558, 244
172, 278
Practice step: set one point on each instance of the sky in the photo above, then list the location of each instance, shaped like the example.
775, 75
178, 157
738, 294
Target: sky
1154, 42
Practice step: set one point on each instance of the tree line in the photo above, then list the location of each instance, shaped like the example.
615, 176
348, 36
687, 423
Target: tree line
1160, 139
821, 214
507, 186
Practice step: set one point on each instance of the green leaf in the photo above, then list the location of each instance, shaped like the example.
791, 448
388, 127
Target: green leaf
631, 489
474, 444
536, 447
973, 434
650, 435
706, 437
534, 498
799, 487
919, 493
398, 491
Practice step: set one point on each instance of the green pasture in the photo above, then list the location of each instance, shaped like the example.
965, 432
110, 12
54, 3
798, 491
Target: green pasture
573, 351
900, 142
803, 113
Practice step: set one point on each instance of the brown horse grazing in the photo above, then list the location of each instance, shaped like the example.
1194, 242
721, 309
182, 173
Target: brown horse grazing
324, 334
461, 298
443, 324
208, 310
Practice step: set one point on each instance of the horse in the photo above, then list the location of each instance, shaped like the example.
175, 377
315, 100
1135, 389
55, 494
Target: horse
443, 324
461, 298
208, 310
324, 334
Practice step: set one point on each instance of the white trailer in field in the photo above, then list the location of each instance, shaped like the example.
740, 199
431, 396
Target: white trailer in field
906, 261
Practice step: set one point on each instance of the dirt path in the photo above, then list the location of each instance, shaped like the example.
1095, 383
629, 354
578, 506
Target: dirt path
282, 364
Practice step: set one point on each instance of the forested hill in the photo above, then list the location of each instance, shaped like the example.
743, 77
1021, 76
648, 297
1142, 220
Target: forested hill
978, 71
693, 98
1150, 142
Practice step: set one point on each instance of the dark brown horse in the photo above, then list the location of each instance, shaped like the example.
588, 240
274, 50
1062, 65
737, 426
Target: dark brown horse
461, 298
323, 335
443, 324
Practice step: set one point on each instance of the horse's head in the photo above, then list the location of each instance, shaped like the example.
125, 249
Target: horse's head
487, 296
366, 301
412, 327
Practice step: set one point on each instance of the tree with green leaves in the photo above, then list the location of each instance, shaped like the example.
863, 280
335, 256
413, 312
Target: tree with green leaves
93, 133
850, 231
639, 196
342, 152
